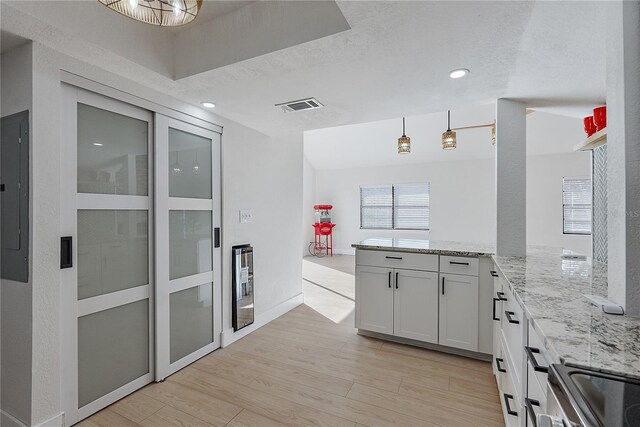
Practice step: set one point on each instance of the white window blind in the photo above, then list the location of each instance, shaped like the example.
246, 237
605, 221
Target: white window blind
411, 207
576, 206
376, 207
400, 207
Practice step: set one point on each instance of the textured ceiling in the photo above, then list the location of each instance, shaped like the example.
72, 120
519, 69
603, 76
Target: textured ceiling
393, 61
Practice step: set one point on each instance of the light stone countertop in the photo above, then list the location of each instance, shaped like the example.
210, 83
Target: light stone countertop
426, 247
550, 289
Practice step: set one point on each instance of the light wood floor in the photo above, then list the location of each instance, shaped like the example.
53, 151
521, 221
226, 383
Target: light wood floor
304, 369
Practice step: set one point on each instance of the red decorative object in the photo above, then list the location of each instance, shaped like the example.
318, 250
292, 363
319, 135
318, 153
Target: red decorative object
324, 229
600, 117
589, 126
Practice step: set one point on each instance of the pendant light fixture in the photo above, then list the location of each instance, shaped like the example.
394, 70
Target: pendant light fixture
493, 133
404, 142
163, 13
176, 170
196, 165
449, 137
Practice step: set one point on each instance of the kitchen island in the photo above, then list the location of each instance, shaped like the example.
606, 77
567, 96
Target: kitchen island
427, 293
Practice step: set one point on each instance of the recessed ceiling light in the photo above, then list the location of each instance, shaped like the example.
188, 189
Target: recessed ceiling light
458, 72
98, 144
208, 104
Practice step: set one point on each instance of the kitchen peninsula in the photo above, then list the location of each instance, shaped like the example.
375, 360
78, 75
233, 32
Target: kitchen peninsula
428, 293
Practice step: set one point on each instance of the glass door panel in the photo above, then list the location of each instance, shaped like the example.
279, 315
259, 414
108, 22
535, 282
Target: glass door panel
188, 294
108, 317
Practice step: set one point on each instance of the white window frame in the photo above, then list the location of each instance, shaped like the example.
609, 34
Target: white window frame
393, 206
564, 228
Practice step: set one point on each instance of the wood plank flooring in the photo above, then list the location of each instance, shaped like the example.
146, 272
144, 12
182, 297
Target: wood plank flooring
303, 369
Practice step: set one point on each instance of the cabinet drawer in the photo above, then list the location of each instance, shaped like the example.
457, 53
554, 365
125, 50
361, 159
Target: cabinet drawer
510, 396
459, 265
404, 260
512, 325
536, 401
537, 358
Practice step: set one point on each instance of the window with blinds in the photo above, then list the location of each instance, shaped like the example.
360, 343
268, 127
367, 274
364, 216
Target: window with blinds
395, 207
576, 206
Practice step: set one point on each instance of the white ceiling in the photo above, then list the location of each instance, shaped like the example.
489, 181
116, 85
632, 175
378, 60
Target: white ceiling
375, 144
393, 61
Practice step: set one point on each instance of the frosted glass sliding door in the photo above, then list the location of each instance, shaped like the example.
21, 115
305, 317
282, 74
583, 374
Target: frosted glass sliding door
188, 294
108, 341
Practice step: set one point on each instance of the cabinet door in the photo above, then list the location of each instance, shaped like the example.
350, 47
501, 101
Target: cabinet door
459, 311
415, 302
374, 299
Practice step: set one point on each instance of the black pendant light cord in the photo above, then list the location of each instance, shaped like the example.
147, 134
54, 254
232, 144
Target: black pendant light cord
448, 120
403, 132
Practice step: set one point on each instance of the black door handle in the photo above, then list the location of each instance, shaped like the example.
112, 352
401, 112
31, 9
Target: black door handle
66, 252
393, 257
216, 237
493, 273
532, 358
498, 362
442, 285
495, 300
510, 319
530, 403
506, 403
458, 263
389, 280
501, 296
397, 279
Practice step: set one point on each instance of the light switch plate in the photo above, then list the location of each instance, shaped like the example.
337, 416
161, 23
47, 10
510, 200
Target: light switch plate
246, 215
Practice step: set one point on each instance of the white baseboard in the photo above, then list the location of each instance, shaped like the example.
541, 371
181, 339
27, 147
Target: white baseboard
57, 421
343, 251
11, 421
229, 337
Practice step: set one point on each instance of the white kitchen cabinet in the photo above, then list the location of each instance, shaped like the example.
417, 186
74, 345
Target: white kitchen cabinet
374, 299
459, 311
415, 302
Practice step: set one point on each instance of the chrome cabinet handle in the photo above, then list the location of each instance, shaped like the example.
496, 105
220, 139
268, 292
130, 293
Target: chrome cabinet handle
509, 315
532, 358
500, 368
506, 403
530, 403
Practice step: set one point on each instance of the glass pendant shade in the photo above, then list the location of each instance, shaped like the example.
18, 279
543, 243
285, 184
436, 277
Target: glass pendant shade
176, 170
493, 134
164, 13
404, 145
404, 142
449, 136
449, 140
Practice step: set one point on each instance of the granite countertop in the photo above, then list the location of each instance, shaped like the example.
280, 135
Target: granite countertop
550, 289
426, 247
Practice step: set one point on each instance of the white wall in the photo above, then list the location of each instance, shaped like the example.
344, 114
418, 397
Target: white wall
544, 199
261, 173
15, 297
308, 201
462, 199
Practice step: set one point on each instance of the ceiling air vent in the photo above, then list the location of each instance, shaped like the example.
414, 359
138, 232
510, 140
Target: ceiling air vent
300, 105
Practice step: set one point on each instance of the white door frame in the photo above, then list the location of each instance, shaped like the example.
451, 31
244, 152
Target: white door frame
164, 204
71, 201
